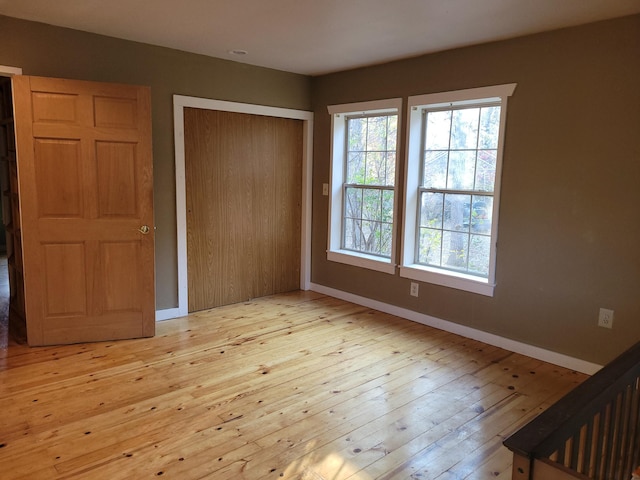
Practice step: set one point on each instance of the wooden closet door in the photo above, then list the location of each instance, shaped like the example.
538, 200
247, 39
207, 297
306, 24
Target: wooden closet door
86, 201
243, 183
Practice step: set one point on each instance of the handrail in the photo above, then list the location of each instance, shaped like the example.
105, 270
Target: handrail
547, 433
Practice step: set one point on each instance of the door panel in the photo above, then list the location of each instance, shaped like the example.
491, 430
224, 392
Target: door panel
57, 165
116, 179
243, 181
85, 187
65, 279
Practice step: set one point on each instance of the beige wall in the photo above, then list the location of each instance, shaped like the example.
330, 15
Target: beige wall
57, 52
569, 233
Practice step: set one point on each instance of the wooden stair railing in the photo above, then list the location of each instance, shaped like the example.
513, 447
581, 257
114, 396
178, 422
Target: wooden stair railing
593, 432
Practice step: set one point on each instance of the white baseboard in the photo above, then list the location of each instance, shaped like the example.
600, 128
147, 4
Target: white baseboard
468, 332
168, 314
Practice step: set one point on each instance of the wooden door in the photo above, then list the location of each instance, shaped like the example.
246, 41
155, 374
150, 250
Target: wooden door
243, 183
86, 208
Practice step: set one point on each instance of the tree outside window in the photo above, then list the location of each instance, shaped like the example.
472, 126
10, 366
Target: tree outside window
369, 187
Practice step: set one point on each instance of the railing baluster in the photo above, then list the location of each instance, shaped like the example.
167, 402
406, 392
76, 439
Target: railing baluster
633, 430
635, 456
594, 431
578, 451
568, 452
624, 433
615, 432
584, 449
593, 449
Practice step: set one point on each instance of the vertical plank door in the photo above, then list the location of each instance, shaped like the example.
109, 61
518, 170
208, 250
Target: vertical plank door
244, 188
86, 191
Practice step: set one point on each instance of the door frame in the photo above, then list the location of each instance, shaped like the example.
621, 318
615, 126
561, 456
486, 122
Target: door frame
6, 71
180, 102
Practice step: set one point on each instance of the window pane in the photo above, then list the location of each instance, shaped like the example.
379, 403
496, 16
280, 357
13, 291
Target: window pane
489, 127
392, 132
486, 170
355, 167
370, 237
377, 133
479, 252
387, 206
386, 230
435, 169
461, 174
376, 169
481, 214
357, 135
437, 133
431, 210
457, 210
353, 202
372, 205
430, 247
455, 247
352, 234
464, 128
390, 166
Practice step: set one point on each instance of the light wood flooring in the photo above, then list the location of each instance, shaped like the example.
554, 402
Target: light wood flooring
295, 386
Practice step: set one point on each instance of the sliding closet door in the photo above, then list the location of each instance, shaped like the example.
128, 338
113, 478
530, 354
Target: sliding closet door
243, 184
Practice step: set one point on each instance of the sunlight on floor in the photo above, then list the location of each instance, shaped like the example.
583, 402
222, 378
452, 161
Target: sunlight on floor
331, 467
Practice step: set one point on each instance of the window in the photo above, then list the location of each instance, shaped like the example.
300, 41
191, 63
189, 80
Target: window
363, 184
454, 160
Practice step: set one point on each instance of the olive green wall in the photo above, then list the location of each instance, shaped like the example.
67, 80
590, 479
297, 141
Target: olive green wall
45, 50
569, 232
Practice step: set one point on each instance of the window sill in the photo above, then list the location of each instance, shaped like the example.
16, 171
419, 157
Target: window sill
456, 280
362, 260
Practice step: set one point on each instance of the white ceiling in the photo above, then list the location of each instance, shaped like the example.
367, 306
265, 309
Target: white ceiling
316, 36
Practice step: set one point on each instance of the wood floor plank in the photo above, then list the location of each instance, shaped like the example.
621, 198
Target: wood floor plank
296, 386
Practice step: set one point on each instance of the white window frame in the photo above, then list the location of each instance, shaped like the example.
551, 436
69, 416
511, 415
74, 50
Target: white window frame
408, 266
335, 252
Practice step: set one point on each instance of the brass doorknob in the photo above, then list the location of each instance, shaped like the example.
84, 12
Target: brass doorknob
144, 229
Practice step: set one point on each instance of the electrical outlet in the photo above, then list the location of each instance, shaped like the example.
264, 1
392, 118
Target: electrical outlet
605, 318
414, 289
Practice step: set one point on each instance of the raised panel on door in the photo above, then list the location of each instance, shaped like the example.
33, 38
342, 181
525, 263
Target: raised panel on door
116, 179
121, 287
65, 280
85, 179
57, 164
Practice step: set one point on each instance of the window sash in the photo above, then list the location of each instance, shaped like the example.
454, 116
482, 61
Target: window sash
383, 222
416, 183
474, 228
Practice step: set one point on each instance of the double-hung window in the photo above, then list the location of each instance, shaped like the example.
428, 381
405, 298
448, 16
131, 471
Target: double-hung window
362, 200
454, 159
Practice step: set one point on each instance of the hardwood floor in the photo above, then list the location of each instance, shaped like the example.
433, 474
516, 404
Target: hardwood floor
297, 386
